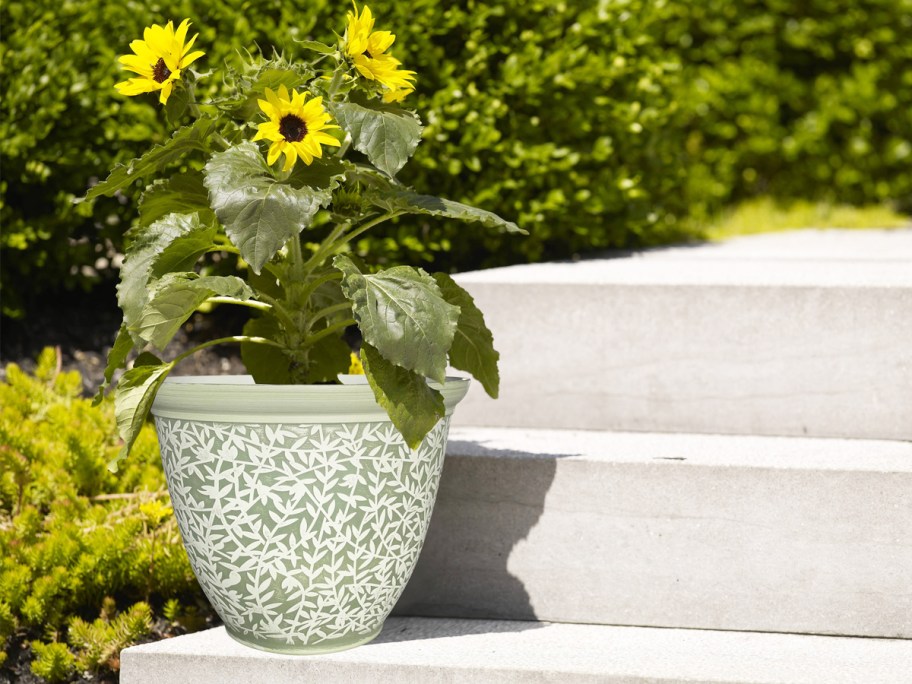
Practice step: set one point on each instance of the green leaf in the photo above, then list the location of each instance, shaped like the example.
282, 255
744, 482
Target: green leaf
117, 358
183, 193
316, 46
177, 104
402, 313
259, 213
387, 135
173, 243
328, 357
186, 139
413, 203
176, 296
267, 364
322, 174
412, 405
133, 398
473, 346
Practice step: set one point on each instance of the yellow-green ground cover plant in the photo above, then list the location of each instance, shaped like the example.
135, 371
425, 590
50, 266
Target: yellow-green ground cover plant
325, 130
90, 562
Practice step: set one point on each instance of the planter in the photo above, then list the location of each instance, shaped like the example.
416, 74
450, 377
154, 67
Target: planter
301, 508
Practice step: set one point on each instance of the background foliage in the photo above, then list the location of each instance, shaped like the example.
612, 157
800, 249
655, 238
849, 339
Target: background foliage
593, 124
77, 542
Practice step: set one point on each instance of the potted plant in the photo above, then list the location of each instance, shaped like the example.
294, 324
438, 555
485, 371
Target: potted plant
303, 502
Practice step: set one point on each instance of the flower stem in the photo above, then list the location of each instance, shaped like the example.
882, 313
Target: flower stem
251, 303
225, 340
326, 332
329, 311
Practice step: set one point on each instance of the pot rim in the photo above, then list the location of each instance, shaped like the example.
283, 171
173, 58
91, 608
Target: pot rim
237, 399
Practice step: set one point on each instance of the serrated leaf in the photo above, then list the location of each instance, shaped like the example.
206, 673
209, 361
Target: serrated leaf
185, 140
176, 296
183, 193
323, 174
117, 358
402, 313
172, 243
267, 364
412, 405
412, 203
387, 135
133, 398
259, 213
473, 346
177, 104
328, 357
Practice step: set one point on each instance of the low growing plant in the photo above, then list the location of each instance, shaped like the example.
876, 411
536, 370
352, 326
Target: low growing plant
291, 138
75, 538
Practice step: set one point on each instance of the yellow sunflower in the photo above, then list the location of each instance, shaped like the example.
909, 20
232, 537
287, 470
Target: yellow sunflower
296, 127
158, 59
368, 51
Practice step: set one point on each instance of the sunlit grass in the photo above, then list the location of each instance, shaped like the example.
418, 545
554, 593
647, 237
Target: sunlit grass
765, 215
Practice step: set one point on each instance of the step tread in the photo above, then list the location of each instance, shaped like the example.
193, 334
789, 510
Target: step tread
449, 650
803, 258
793, 453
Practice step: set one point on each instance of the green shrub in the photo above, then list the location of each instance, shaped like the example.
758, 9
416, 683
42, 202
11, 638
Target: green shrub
73, 536
593, 124
808, 100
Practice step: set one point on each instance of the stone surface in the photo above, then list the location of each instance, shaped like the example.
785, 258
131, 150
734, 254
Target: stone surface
789, 334
424, 651
715, 532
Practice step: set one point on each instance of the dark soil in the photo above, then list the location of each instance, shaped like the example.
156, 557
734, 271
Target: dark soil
83, 326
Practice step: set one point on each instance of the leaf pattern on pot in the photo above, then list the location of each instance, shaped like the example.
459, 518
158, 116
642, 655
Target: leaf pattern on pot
301, 534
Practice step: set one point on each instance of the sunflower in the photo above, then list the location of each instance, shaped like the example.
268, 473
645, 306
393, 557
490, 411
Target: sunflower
296, 127
368, 51
158, 59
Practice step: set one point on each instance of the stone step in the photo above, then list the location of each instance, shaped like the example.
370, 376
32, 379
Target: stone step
696, 531
425, 651
796, 334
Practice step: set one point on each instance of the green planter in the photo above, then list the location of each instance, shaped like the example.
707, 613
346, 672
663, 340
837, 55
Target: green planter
301, 508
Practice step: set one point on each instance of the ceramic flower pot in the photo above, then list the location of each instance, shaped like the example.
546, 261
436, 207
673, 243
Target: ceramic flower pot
301, 508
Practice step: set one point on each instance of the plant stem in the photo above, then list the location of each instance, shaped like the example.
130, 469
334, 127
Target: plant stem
326, 332
252, 303
279, 310
364, 227
314, 284
319, 255
329, 311
225, 340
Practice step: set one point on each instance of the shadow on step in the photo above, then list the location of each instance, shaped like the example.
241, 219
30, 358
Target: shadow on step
489, 500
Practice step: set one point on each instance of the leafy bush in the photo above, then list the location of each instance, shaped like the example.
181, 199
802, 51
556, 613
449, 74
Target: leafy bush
807, 100
593, 124
73, 536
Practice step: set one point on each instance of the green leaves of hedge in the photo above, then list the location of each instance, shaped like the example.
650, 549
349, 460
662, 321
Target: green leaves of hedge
259, 214
387, 135
402, 313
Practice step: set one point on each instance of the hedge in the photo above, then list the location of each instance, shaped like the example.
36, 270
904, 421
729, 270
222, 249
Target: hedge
594, 125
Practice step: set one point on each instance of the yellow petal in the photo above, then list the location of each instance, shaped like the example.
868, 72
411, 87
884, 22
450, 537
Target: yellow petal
268, 108
136, 86
273, 100
136, 64
167, 87
181, 34
283, 92
291, 156
191, 58
189, 44
379, 42
274, 151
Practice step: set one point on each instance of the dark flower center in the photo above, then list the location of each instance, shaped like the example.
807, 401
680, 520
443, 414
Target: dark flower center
160, 72
292, 128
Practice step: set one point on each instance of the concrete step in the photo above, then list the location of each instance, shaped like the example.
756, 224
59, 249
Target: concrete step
796, 334
425, 651
697, 531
